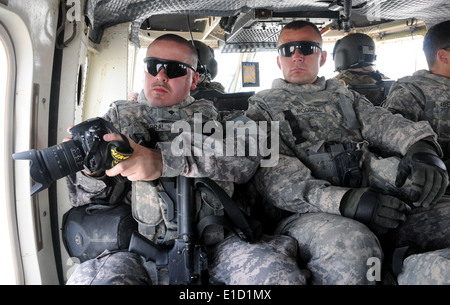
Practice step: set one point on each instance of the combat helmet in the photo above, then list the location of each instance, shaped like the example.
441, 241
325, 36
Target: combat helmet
207, 65
354, 51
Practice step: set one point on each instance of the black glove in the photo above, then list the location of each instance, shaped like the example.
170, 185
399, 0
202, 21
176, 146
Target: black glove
427, 172
377, 211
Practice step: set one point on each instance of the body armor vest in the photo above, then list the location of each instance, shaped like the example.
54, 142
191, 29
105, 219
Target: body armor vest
318, 123
433, 92
375, 95
156, 219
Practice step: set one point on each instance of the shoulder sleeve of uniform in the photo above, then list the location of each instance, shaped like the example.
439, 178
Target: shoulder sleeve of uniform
258, 109
118, 109
405, 100
290, 186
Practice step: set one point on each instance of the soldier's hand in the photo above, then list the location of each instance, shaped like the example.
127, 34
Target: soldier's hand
86, 172
378, 211
426, 171
145, 163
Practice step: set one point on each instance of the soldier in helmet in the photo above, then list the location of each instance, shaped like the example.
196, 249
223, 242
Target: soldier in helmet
163, 104
354, 57
340, 194
206, 68
425, 96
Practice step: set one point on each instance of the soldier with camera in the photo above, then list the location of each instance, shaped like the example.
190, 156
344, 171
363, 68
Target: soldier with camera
152, 167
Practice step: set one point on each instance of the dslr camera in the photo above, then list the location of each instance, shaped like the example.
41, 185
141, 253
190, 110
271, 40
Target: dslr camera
87, 150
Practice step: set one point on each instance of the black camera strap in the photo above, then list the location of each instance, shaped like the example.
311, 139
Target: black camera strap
123, 149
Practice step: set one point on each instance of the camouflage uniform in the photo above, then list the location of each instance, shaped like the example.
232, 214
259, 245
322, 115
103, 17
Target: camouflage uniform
425, 96
304, 180
209, 85
348, 77
151, 212
431, 268
111, 268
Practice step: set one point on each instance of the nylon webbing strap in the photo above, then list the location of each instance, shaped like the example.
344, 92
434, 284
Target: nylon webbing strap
349, 113
296, 131
249, 229
366, 207
245, 227
169, 195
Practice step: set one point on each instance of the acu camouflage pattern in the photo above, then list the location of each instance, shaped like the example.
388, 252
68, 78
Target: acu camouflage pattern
326, 111
254, 265
424, 96
376, 95
148, 208
111, 268
350, 77
431, 268
334, 249
136, 119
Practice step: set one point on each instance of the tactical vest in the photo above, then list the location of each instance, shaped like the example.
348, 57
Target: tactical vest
156, 219
318, 123
433, 92
375, 95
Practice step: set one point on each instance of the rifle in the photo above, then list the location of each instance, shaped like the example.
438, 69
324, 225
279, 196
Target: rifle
186, 260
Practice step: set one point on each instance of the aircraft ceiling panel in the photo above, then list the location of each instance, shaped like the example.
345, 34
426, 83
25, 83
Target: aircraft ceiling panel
102, 14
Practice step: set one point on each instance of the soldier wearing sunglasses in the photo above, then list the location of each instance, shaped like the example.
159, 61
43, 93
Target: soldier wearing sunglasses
343, 198
164, 101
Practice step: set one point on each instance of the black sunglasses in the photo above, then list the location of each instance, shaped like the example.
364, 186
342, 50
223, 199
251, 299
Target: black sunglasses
173, 68
304, 47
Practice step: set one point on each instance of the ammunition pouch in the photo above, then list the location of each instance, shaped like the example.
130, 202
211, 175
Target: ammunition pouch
338, 163
348, 169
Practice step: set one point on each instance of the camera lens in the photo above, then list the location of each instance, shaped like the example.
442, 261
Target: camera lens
63, 159
53, 163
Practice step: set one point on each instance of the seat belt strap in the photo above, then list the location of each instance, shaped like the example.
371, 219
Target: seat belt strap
296, 131
349, 113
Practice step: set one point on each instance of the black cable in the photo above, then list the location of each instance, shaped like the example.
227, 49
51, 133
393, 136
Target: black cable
198, 55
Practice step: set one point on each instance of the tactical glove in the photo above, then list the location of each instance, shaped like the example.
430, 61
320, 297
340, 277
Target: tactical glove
427, 172
377, 211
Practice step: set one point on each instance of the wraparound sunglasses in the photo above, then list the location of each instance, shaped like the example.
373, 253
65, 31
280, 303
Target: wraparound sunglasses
173, 68
304, 47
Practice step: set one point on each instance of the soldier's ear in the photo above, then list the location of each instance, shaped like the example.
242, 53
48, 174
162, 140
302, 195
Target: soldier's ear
443, 56
195, 76
323, 57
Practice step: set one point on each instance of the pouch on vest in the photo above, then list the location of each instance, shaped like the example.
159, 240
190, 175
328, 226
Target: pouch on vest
337, 163
89, 230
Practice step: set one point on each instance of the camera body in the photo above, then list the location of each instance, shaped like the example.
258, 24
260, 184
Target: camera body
87, 150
